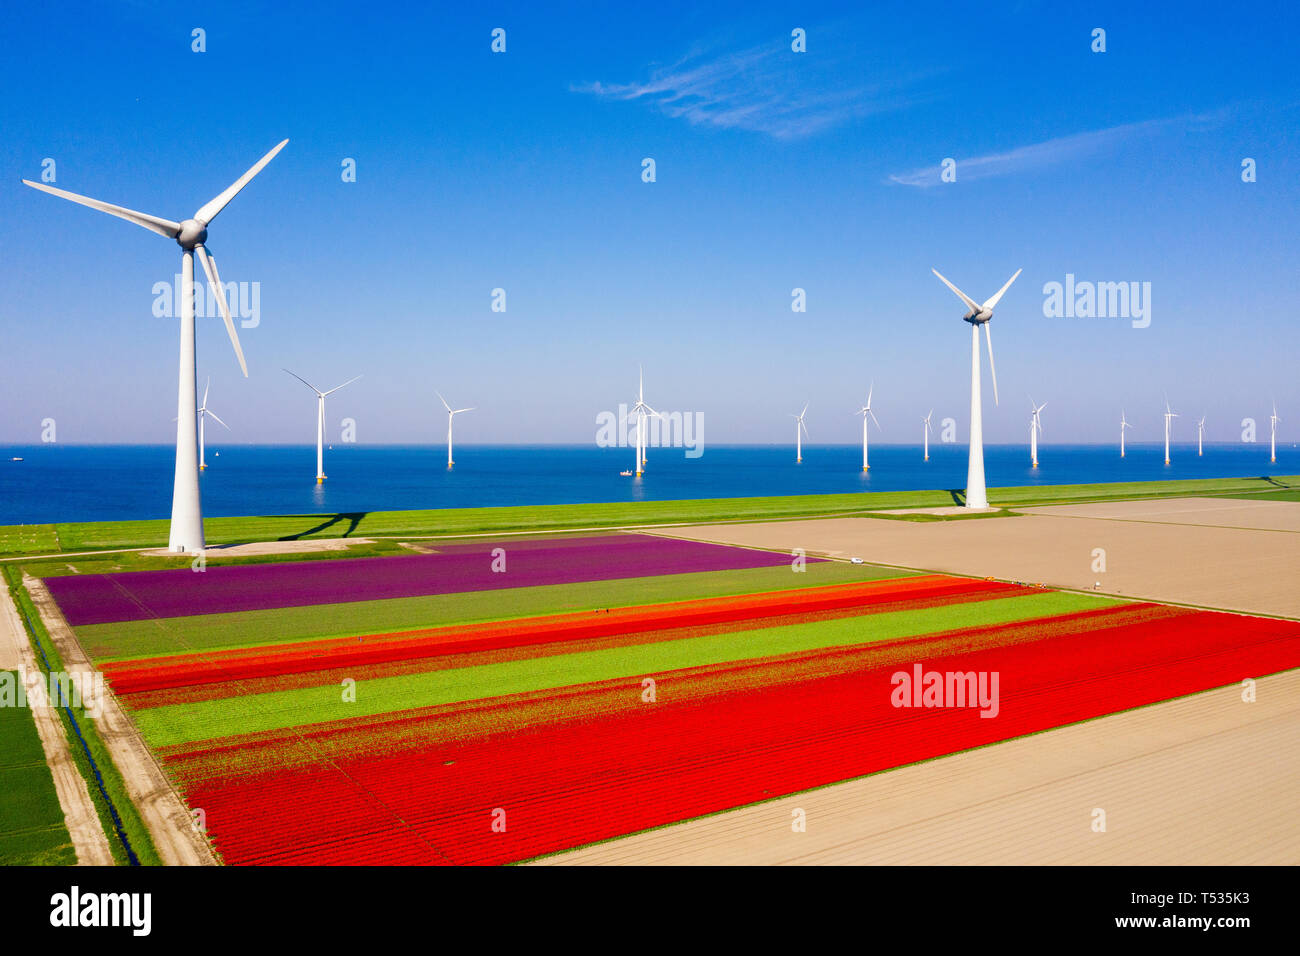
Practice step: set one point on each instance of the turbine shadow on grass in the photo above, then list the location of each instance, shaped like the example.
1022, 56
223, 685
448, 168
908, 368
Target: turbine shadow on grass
958, 496
353, 518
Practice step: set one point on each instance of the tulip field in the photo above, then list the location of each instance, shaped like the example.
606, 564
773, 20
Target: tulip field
494, 701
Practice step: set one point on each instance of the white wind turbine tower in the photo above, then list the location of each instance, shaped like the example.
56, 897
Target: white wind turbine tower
641, 410
205, 412
320, 421
1123, 424
1200, 436
191, 235
1035, 429
451, 413
800, 429
866, 411
1272, 437
976, 493
1170, 415
925, 433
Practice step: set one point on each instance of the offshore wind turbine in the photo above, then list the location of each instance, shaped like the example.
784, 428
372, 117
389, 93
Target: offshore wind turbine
976, 493
1272, 434
800, 429
320, 421
925, 433
1123, 424
451, 413
1035, 429
641, 410
1200, 436
186, 533
866, 411
1170, 415
205, 412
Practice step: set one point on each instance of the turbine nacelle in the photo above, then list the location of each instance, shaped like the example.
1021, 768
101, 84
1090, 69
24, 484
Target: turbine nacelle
193, 233
978, 318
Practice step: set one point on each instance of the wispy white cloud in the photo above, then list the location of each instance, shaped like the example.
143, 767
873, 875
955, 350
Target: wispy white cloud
765, 89
1050, 152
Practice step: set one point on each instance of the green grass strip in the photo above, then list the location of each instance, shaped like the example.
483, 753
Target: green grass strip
140, 639
32, 831
181, 723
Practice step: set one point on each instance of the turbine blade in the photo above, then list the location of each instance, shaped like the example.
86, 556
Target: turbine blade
345, 384
164, 227
960, 294
870, 391
214, 282
992, 371
1003, 291
209, 210
805, 409
470, 409
205, 393
874, 418
304, 381
443, 400
214, 415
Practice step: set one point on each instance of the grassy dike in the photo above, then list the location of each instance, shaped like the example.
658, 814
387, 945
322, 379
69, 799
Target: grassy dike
18, 540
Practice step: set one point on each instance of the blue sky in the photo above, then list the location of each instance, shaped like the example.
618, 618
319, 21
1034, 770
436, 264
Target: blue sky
775, 170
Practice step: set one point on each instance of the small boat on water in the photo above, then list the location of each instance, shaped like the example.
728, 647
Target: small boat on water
626, 474
19, 459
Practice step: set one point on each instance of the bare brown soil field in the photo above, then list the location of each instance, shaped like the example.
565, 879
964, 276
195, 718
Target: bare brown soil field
1156, 550
1206, 779
1262, 515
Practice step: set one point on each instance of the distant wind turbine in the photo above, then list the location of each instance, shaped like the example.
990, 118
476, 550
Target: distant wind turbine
641, 410
451, 413
866, 411
320, 420
976, 493
186, 533
925, 433
1035, 429
800, 429
1200, 436
1170, 415
1123, 424
205, 412
1272, 437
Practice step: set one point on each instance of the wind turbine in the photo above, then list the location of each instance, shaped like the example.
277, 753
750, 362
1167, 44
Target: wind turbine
1200, 436
320, 421
866, 411
925, 433
641, 410
1035, 429
204, 412
1170, 415
800, 429
186, 533
976, 493
451, 413
1272, 438
1123, 424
